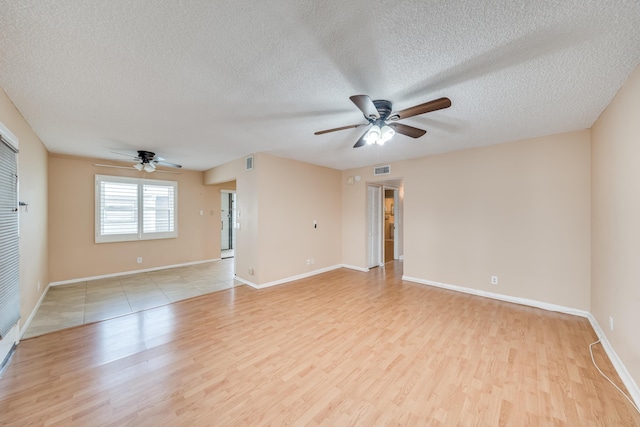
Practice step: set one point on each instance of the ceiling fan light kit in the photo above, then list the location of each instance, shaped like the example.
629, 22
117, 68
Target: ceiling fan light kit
379, 135
379, 115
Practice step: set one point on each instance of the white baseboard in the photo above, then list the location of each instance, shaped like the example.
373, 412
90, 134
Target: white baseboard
7, 345
353, 267
501, 297
126, 273
24, 327
628, 381
289, 279
626, 378
246, 282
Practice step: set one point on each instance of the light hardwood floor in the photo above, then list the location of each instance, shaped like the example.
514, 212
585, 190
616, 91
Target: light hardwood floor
341, 348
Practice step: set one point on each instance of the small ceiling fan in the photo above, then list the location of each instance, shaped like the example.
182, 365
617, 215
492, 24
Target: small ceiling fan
147, 161
379, 115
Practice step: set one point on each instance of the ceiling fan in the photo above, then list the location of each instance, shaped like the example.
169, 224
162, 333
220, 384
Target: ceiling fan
147, 161
379, 114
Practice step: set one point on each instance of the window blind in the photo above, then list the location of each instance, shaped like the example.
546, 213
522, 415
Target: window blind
158, 209
119, 208
135, 209
9, 248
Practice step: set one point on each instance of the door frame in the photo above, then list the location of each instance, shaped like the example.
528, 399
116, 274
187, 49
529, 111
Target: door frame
398, 186
397, 220
232, 222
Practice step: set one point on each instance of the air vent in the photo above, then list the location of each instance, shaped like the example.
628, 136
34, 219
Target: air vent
382, 170
249, 163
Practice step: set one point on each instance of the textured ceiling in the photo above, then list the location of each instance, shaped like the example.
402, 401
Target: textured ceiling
204, 82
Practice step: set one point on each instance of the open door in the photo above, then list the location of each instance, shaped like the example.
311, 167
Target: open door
390, 219
374, 226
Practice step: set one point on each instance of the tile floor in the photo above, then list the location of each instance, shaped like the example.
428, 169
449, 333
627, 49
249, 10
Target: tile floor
70, 305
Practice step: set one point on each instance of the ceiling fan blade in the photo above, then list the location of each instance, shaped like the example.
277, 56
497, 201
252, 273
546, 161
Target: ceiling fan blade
131, 156
163, 162
361, 141
407, 130
366, 105
340, 128
436, 104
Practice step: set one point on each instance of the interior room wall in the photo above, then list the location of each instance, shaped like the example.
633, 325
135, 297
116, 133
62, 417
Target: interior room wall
277, 202
519, 211
615, 290
354, 214
32, 170
73, 253
293, 195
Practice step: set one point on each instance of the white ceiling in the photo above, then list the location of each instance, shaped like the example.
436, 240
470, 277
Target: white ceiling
203, 82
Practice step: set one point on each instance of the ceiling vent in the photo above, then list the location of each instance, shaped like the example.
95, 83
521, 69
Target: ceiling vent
249, 163
382, 170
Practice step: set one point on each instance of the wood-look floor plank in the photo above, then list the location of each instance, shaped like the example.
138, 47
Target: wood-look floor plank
341, 348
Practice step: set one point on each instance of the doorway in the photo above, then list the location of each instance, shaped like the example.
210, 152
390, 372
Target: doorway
389, 229
384, 222
227, 219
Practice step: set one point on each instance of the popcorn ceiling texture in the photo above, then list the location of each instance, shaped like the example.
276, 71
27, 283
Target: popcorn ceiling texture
205, 82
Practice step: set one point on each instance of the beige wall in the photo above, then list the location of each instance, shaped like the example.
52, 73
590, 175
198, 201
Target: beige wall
354, 215
520, 211
278, 201
73, 253
32, 168
615, 270
293, 195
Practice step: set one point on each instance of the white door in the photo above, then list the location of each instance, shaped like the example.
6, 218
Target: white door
374, 225
397, 223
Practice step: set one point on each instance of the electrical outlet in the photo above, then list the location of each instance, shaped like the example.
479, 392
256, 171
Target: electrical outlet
309, 262
250, 271
139, 260
494, 280
611, 323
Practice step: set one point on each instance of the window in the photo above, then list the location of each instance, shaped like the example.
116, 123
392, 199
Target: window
135, 209
9, 243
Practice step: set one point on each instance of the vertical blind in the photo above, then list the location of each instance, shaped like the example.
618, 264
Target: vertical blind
9, 249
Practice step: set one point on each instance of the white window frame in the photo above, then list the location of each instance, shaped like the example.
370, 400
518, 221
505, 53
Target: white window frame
140, 234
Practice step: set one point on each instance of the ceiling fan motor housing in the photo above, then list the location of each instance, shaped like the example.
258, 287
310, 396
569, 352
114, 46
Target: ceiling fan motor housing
146, 156
384, 108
